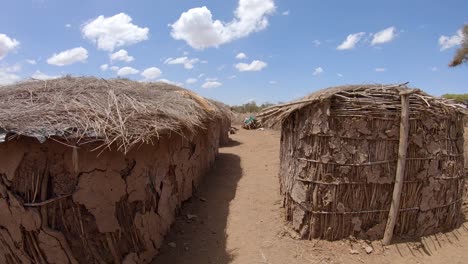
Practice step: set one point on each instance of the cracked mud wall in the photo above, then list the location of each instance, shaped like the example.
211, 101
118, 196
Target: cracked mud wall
59, 205
337, 172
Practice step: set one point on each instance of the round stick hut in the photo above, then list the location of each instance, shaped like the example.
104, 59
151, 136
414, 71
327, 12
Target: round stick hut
342, 152
92, 170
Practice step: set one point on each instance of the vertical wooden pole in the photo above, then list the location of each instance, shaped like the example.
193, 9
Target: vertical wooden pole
400, 172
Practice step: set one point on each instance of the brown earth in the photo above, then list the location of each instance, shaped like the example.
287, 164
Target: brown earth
236, 217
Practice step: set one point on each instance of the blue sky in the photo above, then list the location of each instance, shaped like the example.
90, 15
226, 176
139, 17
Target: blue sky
291, 47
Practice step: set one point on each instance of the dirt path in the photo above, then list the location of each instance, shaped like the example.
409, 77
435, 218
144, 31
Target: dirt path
236, 217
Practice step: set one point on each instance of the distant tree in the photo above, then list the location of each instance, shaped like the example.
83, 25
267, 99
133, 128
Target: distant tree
459, 98
250, 107
462, 53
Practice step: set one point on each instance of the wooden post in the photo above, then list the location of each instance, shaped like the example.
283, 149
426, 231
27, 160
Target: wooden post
400, 172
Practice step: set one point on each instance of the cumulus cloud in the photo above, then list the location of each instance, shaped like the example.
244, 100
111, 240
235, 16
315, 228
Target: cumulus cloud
188, 63
273, 82
232, 77
109, 33
127, 71
255, 65
318, 71
7, 45
114, 68
197, 27
67, 57
68, 25
241, 56
104, 67
32, 62
211, 84
351, 41
151, 73
170, 82
285, 13
191, 81
8, 74
380, 69
42, 76
384, 36
445, 42
121, 55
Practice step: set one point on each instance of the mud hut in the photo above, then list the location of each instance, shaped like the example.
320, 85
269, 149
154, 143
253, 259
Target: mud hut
92, 170
340, 156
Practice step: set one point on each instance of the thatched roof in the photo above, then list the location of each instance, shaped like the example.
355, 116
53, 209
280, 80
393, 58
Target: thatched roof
116, 111
372, 94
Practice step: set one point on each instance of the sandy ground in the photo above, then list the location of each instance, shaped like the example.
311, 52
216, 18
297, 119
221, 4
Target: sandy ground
236, 217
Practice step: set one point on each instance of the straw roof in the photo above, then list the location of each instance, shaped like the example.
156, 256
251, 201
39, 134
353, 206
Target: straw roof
114, 111
373, 94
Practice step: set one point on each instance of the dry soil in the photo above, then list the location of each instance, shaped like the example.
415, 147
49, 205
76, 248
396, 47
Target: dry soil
236, 217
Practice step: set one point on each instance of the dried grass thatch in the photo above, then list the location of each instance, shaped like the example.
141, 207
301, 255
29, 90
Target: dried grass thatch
339, 153
116, 111
276, 114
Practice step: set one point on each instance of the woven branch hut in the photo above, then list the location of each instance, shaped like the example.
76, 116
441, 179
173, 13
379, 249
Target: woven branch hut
339, 153
92, 170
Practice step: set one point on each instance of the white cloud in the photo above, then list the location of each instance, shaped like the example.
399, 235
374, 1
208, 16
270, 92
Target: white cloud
151, 73
42, 76
447, 42
109, 33
211, 79
32, 62
191, 81
273, 82
318, 71
316, 42
380, 69
104, 67
7, 45
434, 69
8, 76
211, 84
114, 68
201, 75
255, 65
232, 77
170, 82
127, 71
121, 55
197, 27
285, 13
67, 57
241, 56
384, 36
188, 63
68, 25
351, 41
339, 75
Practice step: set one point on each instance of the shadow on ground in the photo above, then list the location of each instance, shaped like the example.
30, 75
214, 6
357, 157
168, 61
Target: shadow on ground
231, 143
198, 235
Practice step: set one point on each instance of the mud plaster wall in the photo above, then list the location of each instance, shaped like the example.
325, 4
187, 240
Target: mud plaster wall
111, 208
337, 172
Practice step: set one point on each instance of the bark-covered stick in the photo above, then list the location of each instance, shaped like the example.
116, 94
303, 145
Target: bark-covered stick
400, 173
